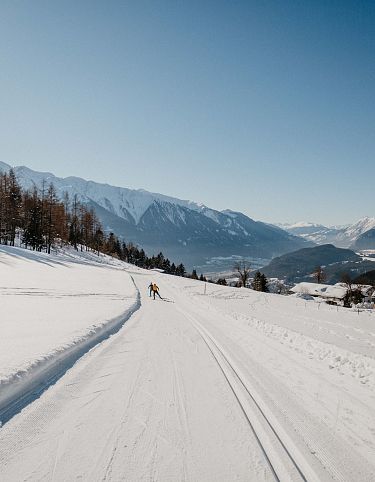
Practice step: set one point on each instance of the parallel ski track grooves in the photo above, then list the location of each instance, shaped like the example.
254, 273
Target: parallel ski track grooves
245, 413
204, 334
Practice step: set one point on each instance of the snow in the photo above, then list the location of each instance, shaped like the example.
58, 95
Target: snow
176, 215
333, 292
80, 297
360, 227
340, 236
129, 204
337, 291
211, 214
212, 384
303, 224
113, 198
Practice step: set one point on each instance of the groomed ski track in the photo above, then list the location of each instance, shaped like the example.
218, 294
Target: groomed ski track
24, 390
173, 396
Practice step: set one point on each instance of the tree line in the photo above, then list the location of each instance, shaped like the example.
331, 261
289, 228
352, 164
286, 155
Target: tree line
258, 283
41, 221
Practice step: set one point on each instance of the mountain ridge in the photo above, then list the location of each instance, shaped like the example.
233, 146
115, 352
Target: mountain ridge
340, 236
183, 229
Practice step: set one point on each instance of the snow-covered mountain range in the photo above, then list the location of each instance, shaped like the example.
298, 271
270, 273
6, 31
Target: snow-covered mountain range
183, 230
340, 236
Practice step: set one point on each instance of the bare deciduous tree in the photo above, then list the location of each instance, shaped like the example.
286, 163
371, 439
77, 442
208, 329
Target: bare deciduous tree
243, 269
347, 280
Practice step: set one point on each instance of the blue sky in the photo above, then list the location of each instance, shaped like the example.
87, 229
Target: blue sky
265, 107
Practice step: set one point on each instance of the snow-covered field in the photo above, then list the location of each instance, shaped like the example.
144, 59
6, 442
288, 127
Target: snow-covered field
212, 384
53, 307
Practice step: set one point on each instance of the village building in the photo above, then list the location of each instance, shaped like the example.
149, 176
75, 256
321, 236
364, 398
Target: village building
333, 293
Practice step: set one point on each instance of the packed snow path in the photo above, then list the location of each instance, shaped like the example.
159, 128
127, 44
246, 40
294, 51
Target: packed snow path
192, 390
53, 310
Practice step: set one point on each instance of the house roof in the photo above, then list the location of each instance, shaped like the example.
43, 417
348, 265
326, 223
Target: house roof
336, 291
316, 289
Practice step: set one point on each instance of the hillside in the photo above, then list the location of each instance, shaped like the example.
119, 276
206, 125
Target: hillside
183, 230
299, 265
209, 383
365, 241
367, 278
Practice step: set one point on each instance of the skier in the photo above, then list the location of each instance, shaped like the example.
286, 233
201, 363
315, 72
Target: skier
150, 288
155, 290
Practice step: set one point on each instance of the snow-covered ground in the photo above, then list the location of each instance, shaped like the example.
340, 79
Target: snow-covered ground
212, 384
54, 307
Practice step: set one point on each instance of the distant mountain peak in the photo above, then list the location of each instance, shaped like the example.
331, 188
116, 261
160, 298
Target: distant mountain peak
305, 224
340, 236
4, 166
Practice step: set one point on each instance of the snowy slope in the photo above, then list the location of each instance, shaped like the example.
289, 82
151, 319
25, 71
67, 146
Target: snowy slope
363, 225
212, 384
365, 241
303, 226
54, 306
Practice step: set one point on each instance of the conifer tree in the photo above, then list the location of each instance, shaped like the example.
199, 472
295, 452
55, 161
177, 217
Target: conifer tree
222, 282
264, 283
51, 217
15, 203
166, 265
180, 270
260, 282
32, 235
255, 284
